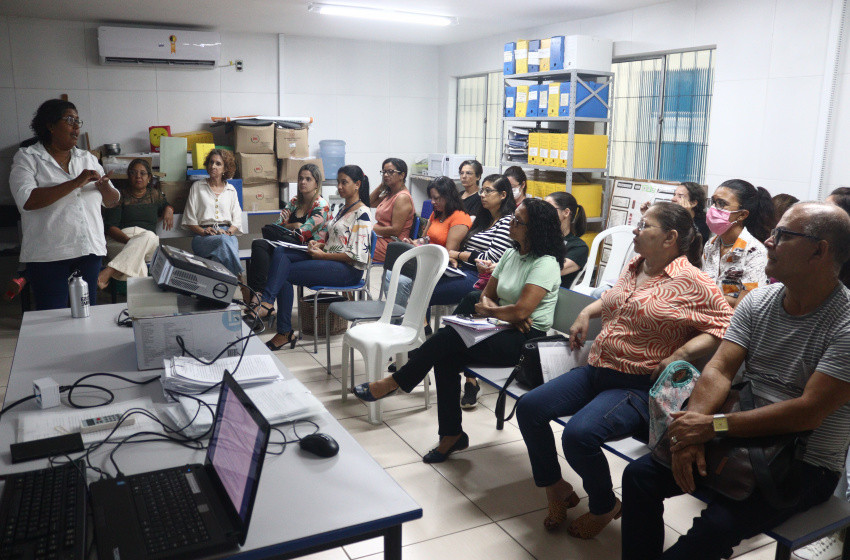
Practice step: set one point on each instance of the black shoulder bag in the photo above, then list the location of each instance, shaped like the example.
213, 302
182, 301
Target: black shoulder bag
527, 373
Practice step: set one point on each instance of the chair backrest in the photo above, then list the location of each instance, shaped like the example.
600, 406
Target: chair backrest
622, 241
568, 307
431, 262
427, 209
414, 229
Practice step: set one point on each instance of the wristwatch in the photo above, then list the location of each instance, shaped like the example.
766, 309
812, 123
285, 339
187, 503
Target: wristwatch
721, 424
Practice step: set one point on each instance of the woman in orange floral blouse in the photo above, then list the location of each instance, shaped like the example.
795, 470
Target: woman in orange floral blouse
663, 308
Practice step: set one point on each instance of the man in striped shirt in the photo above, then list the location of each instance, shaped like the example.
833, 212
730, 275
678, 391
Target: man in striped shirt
794, 339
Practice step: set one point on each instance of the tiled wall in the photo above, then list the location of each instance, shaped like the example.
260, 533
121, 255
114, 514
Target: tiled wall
769, 79
380, 98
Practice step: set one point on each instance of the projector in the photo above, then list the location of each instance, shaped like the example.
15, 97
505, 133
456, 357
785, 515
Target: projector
180, 271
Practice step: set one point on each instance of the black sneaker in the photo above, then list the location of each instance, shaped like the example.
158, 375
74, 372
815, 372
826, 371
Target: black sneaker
470, 395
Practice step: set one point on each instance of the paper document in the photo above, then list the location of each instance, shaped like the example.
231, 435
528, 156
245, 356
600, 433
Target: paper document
555, 359
474, 330
287, 245
42, 424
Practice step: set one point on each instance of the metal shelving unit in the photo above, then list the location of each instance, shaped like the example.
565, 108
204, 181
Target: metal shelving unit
576, 78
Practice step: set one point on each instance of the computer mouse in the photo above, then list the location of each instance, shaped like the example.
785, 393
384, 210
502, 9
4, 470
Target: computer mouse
320, 444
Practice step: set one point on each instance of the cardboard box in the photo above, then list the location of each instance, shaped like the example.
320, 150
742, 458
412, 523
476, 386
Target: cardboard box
522, 101
554, 99
542, 100
592, 107
289, 168
204, 333
534, 55
509, 66
543, 148
291, 142
590, 151
176, 192
589, 196
256, 168
534, 148
261, 197
196, 137
556, 53
583, 52
543, 54
510, 101
521, 56
533, 94
254, 139
199, 153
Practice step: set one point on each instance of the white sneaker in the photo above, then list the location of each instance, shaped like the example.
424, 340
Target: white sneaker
828, 548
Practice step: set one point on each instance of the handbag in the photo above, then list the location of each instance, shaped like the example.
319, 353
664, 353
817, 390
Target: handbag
669, 394
274, 232
737, 467
528, 372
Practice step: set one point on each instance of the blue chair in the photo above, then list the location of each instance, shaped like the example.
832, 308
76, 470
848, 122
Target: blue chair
361, 287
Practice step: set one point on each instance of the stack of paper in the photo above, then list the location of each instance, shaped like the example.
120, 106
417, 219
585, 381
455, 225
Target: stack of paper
516, 148
474, 330
187, 375
282, 401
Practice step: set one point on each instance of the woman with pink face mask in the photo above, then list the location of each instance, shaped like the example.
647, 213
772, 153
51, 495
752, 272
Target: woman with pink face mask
739, 217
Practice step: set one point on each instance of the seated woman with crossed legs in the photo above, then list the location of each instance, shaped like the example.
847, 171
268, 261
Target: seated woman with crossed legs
523, 291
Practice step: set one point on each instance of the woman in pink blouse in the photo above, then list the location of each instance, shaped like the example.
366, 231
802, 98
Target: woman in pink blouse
394, 206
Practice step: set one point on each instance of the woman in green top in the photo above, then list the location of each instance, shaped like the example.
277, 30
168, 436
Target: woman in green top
130, 226
573, 225
522, 291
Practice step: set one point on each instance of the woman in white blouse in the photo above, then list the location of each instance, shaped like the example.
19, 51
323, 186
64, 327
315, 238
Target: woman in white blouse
213, 214
59, 190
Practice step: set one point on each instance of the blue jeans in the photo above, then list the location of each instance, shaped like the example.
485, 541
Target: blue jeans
604, 404
293, 267
220, 248
49, 280
451, 289
722, 525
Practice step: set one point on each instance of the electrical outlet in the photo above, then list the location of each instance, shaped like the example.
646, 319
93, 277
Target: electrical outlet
238, 65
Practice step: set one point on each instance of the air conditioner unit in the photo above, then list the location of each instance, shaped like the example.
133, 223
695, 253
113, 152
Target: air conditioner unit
172, 47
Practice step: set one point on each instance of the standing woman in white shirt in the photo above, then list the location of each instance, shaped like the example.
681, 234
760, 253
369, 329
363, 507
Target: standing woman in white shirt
213, 214
59, 190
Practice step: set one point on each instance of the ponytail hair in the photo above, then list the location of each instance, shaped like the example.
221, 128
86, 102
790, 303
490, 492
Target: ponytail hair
356, 174
578, 219
672, 217
759, 204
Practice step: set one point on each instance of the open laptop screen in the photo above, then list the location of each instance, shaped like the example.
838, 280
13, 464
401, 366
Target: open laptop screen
237, 447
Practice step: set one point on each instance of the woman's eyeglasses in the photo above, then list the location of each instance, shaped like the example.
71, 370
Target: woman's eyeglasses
642, 225
517, 221
486, 191
721, 204
389, 172
73, 121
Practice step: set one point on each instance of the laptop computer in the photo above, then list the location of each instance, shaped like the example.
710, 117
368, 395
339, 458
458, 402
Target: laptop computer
192, 510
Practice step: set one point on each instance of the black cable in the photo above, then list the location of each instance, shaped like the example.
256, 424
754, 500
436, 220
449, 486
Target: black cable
16, 403
79, 383
127, 321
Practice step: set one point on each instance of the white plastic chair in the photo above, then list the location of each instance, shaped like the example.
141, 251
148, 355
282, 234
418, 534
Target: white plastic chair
378, 341
622, 244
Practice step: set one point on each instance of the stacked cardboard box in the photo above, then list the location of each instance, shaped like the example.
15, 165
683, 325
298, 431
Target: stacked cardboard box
256, 164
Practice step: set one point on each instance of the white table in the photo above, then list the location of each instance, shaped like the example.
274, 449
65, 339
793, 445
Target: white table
304, 504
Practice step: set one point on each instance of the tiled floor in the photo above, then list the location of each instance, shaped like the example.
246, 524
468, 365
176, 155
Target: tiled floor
481, 503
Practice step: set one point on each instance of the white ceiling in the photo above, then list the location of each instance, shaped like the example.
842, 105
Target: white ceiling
477, 18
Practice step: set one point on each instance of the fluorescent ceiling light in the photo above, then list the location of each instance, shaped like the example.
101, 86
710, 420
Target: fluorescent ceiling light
382, 15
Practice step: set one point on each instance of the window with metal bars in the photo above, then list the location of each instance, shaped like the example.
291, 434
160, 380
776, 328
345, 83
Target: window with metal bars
479, 117
661, 107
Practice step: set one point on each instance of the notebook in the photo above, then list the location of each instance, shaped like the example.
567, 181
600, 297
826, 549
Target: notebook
192, 510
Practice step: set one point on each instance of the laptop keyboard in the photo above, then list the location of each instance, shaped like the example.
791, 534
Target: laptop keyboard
43, 514
167, 511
